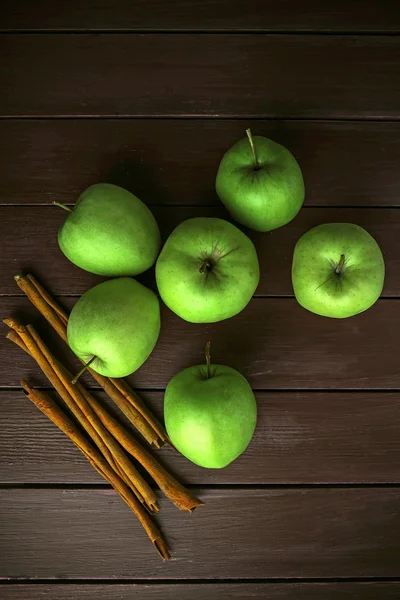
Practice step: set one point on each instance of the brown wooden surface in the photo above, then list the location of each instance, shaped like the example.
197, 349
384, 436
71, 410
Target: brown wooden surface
274, 342
174, 162
196, 74
39, 249
301, 438
316, 495
264, 15
195, 591
272, 533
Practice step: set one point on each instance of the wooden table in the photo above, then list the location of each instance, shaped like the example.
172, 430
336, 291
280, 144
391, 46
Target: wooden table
149, 95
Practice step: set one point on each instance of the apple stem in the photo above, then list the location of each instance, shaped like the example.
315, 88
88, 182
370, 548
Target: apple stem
86, 366
207, 265
62, 206
253, 149
208, 359
340, 266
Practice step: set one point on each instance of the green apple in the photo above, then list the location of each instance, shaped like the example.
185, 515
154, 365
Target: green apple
115, 325
260, 183
110, 232
210, 414
338, 270
207, 270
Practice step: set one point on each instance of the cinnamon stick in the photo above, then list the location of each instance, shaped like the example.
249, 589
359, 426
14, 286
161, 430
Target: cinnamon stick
140, 486
14, 337
130, 412
61, 420
135, 401
40, 303
48, 298
132, 407
75, 409
85, 415
172, 489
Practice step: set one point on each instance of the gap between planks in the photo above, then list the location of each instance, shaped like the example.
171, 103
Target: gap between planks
208, 486
210, 582
194, 117
198, 117
209, 31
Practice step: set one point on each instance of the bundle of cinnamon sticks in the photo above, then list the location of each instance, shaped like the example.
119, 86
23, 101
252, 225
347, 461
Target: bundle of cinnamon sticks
109, 446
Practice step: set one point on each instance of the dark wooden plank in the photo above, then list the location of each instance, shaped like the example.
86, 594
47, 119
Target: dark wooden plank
275, 343
175, 161
196, 74
238, 534
262, 15
29, 238
300, 438
199, 591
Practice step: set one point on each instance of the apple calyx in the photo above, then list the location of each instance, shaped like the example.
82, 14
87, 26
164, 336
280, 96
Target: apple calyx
253, 149
207, 265
61, 205
339, 270
85, 366
208, 359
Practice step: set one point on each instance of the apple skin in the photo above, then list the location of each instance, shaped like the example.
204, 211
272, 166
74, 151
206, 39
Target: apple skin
222, 290
118, 321
210, 421
317, 285
110, 232
265, 198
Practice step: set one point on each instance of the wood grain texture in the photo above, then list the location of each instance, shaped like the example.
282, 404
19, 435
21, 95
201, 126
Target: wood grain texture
196, 74
37, 249
261, 15
215, 66
275, 343
300, 438
239, 533
212, 591
174, 162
